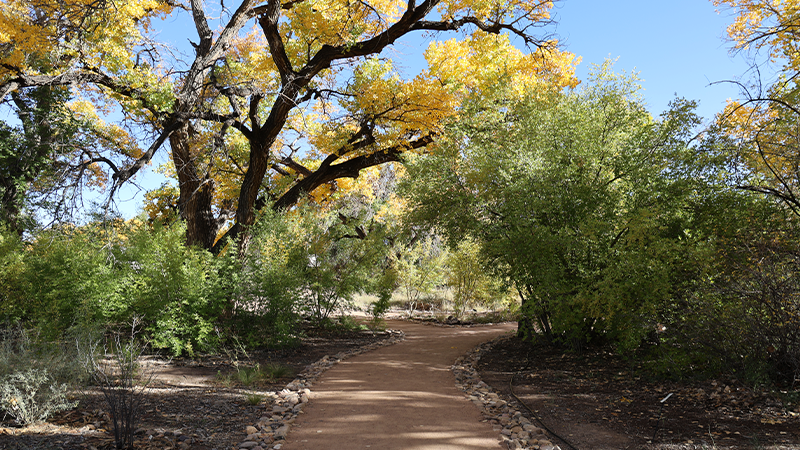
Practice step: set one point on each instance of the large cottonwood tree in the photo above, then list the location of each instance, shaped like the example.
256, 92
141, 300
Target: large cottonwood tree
278, 98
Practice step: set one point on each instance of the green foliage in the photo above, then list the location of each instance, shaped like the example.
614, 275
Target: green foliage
420, 268
340, 263
254, 399
467, 277
36, 154
255, 374
265, 308
31, 396
107, 273
176, 289
572, 202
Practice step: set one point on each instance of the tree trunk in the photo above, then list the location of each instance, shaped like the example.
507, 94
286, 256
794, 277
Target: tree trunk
9, 208
196, 192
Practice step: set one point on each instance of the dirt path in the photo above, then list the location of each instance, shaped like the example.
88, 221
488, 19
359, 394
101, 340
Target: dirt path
398, 397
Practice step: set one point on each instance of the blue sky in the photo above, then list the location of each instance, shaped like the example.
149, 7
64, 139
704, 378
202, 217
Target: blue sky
677, 47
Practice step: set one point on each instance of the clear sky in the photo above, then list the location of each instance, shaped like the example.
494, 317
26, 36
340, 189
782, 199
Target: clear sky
677, 46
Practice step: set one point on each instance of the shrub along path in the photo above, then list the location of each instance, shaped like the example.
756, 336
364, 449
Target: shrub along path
398, 397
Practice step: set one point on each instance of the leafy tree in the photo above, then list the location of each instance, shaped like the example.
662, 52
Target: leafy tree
36, 156
284, 99
764, 122
573, 201
467, 277
420, 268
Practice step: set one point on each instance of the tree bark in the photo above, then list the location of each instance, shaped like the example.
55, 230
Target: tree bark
196, 192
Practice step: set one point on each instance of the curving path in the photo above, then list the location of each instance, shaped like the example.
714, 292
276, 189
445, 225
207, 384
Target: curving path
398, 397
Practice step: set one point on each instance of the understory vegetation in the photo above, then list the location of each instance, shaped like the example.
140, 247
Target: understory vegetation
577, 213
308, 176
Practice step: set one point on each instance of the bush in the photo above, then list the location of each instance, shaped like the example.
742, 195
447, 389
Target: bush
31, 396
266, 301
467, 276
420, 269
177, 290
103, 274
22, 350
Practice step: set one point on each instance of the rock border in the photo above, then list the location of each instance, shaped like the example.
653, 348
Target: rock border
284, 406
516, 430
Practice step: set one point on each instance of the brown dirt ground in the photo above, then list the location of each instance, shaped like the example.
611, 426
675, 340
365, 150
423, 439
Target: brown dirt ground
399, 397
185, 402
596, 400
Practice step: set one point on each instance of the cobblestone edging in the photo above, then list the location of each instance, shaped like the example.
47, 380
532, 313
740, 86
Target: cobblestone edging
516, 430
283, 407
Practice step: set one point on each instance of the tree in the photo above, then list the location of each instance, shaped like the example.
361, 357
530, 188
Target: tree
764, 122
46, 159
262, 117
572, 199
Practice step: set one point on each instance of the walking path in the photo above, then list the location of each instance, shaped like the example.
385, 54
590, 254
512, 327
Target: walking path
398, 397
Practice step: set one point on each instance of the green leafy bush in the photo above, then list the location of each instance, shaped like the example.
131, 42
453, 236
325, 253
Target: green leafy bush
265, 304
466, 275
176, 289
420, 269
574, 204
103, 274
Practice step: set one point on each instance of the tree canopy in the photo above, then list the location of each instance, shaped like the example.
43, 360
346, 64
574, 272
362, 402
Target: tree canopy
764, 121
576, 199
278, 99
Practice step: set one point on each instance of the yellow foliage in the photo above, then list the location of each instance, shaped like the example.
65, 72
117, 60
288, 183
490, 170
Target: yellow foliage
766, 24
352, 107
45, 36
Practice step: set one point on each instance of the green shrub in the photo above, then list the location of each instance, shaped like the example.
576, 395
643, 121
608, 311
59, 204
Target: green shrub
466, 275
265, 304
276, 370
420, 269
176, 289
103, 274
31, 396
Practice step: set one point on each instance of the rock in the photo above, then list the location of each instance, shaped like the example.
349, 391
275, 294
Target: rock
248, 444
251, 430
281, 432
546, 445
532, 429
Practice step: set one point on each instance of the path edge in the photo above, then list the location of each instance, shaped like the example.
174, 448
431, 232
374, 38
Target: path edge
517, 432
282, 408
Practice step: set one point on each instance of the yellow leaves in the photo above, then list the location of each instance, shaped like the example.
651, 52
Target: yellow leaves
489, 63
770, 24
45, 36
161, 204
248, 64
340, 22
108, 135
497, 10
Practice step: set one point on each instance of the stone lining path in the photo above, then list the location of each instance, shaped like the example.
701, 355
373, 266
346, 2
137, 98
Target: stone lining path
398, 397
